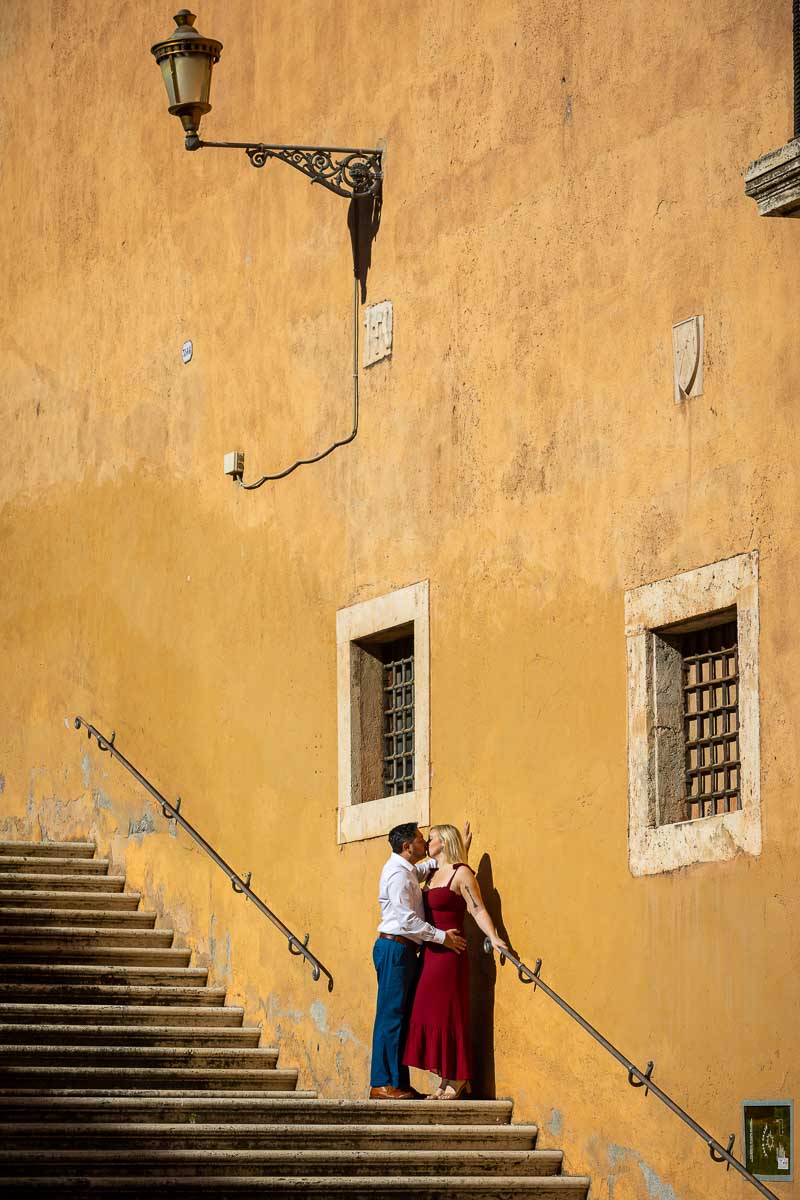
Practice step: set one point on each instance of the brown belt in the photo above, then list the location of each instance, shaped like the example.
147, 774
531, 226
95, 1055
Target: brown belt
395, 937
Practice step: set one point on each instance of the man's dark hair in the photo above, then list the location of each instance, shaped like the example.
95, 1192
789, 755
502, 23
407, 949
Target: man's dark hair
402, 834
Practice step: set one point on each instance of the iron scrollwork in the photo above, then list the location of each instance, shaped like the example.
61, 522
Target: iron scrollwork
349, 173
357, 173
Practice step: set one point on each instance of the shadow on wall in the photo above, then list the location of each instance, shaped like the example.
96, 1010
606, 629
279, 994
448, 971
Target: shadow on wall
363, 221
483, 979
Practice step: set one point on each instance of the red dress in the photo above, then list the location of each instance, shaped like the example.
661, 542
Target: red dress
438, 1031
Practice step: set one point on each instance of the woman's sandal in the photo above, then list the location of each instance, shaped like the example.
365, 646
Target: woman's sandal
451, 1093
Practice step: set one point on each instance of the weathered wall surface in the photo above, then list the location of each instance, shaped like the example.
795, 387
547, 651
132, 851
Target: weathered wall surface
563, 182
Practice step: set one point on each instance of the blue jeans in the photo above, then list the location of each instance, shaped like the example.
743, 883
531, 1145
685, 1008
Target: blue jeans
397, 968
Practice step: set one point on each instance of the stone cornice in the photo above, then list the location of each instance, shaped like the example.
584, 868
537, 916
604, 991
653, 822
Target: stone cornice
773, 181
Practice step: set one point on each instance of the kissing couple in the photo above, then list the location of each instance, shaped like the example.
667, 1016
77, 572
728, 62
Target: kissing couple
422, 1010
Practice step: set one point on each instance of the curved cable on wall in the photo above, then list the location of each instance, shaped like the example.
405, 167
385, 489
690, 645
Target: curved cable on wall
305, 462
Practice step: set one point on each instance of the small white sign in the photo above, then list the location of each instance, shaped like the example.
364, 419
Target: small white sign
378, 323
187, 350
783, 1163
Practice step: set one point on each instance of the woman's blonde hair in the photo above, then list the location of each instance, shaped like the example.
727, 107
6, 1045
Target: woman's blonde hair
453, 842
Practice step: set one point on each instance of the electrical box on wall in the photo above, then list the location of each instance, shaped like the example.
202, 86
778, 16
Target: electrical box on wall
234, 463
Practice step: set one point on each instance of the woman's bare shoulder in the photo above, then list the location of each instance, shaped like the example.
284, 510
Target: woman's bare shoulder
464, 874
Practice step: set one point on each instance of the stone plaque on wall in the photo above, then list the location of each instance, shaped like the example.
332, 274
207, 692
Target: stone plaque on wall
377, 332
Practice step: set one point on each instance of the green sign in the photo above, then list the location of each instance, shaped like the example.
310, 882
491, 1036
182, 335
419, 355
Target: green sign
768, 1132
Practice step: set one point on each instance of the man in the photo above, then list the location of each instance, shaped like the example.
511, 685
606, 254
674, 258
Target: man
402, 930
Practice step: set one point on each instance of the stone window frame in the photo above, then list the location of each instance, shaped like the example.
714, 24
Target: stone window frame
358, 821
653, 848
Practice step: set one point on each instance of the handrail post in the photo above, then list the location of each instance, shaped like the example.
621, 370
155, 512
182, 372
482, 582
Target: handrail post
240, 884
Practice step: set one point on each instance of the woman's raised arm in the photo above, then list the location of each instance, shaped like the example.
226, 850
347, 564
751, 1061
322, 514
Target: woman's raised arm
466, 884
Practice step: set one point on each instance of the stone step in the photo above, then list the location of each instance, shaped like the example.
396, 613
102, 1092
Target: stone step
135, 1016
81, 952
205, 1110
74, 994
296, 1138
245, 1036
421, 1187
59, 1056
35, 865
266, 1163
47, 849
10, 884
57, 974
49, 918
112, 1076
98, 902
54, 939
45, 1095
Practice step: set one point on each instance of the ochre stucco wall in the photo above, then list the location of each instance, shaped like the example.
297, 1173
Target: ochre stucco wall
563, 182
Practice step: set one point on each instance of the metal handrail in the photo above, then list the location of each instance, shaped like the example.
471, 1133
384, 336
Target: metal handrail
636, 1077
240, 884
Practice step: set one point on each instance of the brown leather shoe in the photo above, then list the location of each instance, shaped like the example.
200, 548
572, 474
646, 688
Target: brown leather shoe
392, 1093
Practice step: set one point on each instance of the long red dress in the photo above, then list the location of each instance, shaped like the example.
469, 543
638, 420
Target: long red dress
438, 1032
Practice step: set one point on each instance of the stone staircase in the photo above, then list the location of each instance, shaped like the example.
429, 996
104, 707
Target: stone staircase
122, 1071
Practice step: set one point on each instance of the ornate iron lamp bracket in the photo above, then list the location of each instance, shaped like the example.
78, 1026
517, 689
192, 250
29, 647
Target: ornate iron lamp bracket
346, 172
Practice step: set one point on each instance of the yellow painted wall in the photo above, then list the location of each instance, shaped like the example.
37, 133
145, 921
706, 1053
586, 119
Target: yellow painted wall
563, 182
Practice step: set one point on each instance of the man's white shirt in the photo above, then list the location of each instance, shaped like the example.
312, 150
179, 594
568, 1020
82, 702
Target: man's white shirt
400, 898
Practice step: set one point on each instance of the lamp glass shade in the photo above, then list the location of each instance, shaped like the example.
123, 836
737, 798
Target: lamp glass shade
187, 78
186, 59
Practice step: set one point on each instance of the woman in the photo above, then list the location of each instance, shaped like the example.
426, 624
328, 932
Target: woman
438, 1031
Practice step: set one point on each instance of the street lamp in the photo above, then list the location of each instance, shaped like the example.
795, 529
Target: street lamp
187, 59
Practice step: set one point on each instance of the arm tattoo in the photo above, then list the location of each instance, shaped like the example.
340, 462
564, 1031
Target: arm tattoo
475, 904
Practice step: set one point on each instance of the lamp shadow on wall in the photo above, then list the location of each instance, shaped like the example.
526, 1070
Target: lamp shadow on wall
483, 980
363, 221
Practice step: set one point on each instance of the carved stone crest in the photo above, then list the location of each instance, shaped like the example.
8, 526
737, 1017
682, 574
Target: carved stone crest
687, 351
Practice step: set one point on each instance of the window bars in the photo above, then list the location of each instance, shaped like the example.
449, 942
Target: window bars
711, 720
398, 718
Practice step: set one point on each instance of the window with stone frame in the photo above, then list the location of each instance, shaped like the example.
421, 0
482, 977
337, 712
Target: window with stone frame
384, 705
694, 788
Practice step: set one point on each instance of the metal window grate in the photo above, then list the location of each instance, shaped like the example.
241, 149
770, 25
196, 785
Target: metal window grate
398, 719
711, 720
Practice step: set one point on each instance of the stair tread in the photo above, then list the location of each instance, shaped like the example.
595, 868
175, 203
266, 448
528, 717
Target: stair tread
124, 991
12, 881
123, 1031
60, 918
76, 933
167, 1014
204, 1154
299, 1103
12, 896
37, 1050
254, 1106
51, 969
434, 1185
45, 848
34, 1097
